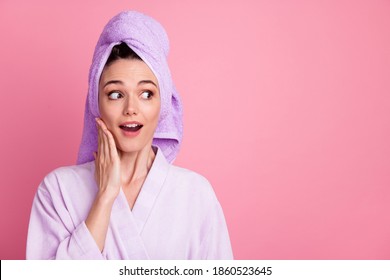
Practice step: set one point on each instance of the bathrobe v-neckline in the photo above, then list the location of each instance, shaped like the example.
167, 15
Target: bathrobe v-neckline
129, 224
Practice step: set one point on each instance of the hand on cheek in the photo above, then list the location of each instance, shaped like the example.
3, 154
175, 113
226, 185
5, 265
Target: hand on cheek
107, 164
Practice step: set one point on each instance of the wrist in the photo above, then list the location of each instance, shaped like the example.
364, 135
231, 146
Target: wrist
105, 198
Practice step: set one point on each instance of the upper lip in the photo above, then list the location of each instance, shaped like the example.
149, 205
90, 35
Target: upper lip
132, 122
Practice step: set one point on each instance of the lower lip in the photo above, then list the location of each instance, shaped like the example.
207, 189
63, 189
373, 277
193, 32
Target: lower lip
130, 133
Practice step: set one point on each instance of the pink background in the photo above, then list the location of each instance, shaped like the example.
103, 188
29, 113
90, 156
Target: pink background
286, 113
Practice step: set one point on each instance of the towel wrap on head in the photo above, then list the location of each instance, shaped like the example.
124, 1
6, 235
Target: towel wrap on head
148, 39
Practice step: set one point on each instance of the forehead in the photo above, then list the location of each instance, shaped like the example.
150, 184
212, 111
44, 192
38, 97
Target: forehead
127, 70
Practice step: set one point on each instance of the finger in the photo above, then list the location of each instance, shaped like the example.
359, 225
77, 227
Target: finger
101, 155
112, 145
96, 168
106, 144
98, 137
102, 124
110, 140
101, 127
101, 142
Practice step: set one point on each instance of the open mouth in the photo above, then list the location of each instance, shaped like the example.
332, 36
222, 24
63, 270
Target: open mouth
131, 127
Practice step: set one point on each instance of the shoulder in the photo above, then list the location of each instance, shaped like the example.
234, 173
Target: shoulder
191, 183
186, 175
65, 194
84, 169
67, 177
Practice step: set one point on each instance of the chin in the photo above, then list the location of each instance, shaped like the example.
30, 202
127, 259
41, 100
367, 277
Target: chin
132, 146
131, 149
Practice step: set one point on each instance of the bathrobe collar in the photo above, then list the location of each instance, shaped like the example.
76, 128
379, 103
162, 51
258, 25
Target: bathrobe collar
131, 223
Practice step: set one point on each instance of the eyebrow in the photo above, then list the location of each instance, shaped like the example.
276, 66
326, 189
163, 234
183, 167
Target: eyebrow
147, 82
120, 82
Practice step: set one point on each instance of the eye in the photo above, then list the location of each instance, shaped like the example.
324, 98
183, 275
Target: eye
147, 94
115, 95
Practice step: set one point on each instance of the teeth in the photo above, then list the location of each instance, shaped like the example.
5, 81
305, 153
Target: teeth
131, 125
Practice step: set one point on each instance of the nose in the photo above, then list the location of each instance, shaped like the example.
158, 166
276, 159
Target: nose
130, 106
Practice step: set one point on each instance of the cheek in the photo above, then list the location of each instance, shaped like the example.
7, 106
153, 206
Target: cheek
102, 109
107, 114
155, 113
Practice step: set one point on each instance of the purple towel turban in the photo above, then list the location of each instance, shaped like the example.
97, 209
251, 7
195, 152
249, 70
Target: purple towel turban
148, 39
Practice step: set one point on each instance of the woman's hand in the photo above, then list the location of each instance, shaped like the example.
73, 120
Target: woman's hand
107, 175
107, 164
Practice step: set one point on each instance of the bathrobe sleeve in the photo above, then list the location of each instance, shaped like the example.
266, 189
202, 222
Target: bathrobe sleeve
52, 234
216, 242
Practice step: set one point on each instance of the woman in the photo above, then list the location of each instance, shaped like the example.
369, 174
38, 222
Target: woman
124, 200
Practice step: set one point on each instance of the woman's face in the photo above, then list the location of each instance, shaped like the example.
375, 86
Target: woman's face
129, 103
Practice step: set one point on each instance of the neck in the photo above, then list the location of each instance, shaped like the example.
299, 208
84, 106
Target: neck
136, 165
